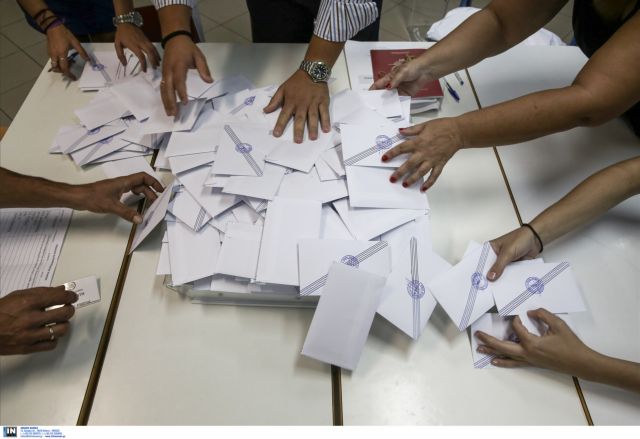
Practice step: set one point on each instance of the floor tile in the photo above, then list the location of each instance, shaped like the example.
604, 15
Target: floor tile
6, 46
11, 101
21, 34
207, 23
38, 52
17, 69
10, 12
386, 35
222, 11
388, 4
221, 34
241, 25
396, 20
5, 120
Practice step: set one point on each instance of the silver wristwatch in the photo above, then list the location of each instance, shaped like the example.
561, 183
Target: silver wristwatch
317, 70
132, 17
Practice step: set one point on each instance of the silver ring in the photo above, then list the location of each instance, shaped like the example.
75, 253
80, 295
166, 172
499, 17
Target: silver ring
54, 63
53, 336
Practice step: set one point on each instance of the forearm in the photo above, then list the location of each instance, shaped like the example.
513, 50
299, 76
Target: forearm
174, 18
32, 6
323, 50
612, 371
590, 199
122, 7
18, 190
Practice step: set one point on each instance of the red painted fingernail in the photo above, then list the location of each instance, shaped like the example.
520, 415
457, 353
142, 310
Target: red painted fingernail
388, 86
385, 158
402, 129
423, 189
393, 179
405, 184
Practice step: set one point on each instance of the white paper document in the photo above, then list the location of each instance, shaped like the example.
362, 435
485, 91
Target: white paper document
152, 217
365, 144
316, 256
528, 286
464, 291
344, 315
31, 244
409, 304
192, 255
370, 187
87, 290
240, 250
288, 221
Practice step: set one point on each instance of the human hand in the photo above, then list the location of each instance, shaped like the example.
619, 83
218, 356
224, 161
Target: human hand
59, 41
408, 78
434, 144
25, 324
514, 246
180, 55
305, 101
131, 37
557, 349
104, 196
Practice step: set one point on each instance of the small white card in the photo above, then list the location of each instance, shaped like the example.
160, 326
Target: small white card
87, 290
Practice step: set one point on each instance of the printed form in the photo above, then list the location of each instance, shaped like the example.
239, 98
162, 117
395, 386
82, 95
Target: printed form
30, 244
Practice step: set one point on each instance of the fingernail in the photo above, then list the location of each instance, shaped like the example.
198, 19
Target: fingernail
481, 350
405, 184
76, 296
495, 362
137, 219
423, 189
402, 129
491, 275
385, 158
393, 179
388, 86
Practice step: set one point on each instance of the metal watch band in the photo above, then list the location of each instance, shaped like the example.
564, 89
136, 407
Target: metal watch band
132, 17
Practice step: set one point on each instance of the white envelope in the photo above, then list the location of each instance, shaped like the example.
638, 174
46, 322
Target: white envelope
528, 286
325, 172
240, 250
309, 186
79, 137
242, 150
186, 209
192, 255
409, 304
364, 145
235, 104
120, 155
288, 221
257, 204
227, 85
212, 199
385, 102
316, 256
152, 217
464, 291
300, 156
264, 187
183, 163
222, 221
159, 122
333, 157
347, 107
196, 87
344, 315
245, 214
104, 70
104, 108
98, 150
137, 95
194, 142
366, 224
164, 264
370, 187
331, 226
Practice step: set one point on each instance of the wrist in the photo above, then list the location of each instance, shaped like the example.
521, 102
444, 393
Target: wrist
75, 196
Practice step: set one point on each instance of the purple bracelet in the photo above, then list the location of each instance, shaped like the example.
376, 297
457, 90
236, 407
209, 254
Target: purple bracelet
55, 23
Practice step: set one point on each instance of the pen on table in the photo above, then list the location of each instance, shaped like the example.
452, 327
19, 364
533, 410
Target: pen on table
451, 91
459, 78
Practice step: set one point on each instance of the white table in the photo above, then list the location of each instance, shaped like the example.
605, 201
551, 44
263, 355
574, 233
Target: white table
606, 254
48, 388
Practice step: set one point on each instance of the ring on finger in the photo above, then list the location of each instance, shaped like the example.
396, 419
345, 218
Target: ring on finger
53, 335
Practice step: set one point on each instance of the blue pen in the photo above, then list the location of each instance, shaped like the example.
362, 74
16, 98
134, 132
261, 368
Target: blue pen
451, 91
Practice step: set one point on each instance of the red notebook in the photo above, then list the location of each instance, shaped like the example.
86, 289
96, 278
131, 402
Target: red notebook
382, 61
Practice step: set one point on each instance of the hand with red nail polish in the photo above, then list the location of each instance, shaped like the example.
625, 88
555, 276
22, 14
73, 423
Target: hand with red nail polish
408, 78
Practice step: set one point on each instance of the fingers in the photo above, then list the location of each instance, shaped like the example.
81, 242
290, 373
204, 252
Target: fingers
406, 167
412, 130
312, 121
420, 172
141, 57
503, 259
168, 94
43, 333
283, 119
435, 173
201, 65
276, 101
142, 179
152, 54
403, 148
551, 320
124, 212
63, 62
46, 297
180, 84
53, 316
381, 83
298, 126
83, 53
508, 363
147, 192
507, 348
523, 334
39, 347
325, 118
120, 53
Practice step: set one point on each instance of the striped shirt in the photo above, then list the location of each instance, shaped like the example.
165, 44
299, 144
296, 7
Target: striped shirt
337, 20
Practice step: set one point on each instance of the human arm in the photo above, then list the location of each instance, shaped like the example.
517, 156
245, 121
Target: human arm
131, 37
59, 39
17, 190
180, 53
605, 88
26, 326
561, 350
587, 201
305, 101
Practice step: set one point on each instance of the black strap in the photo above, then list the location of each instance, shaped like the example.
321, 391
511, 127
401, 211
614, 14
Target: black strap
166, 39
40, 12
528, 226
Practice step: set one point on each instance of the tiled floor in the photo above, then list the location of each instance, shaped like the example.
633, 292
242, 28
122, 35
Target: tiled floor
23, 51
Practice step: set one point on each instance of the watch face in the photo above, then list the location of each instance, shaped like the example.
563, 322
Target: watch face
137, 19
319, 72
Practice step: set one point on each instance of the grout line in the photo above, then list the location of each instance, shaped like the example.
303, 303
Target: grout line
233, 32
